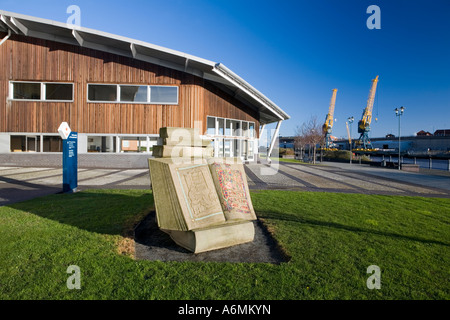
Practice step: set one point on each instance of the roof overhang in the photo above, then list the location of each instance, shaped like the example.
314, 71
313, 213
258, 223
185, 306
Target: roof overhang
214, 72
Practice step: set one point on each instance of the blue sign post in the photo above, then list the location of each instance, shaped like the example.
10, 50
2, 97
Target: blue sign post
70, 163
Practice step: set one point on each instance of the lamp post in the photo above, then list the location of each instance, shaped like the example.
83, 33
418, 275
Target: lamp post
399, 113
350, 121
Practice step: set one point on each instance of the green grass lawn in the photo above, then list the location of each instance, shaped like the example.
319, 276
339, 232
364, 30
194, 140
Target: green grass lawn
331, 239
289, 160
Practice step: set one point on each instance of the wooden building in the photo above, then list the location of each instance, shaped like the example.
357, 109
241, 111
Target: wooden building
117, 92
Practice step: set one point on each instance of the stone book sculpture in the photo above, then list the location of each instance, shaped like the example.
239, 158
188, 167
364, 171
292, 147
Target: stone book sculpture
202, 203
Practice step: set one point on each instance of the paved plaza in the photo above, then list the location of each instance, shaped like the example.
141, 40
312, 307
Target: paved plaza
22, 183
344, 177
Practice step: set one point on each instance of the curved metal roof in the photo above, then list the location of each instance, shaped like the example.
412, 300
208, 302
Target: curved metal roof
217, 73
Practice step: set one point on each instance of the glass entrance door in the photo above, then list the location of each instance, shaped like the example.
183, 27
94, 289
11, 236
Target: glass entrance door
33, 144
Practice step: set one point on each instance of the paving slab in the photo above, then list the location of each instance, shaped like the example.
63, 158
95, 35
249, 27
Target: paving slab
355, 178
23, 183
435, 180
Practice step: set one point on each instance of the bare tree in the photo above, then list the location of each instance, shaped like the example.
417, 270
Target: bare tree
310, 135
300, 140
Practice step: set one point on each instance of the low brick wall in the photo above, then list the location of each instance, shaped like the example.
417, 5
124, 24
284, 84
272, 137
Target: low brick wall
410, 167
85, 160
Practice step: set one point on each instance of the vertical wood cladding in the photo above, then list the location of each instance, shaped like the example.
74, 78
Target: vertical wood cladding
30, 59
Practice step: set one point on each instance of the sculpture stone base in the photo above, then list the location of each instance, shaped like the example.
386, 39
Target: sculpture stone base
212, 238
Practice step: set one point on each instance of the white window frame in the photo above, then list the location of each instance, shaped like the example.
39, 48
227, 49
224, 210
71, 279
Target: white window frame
118, 92
250, 135
233, 140
42, 91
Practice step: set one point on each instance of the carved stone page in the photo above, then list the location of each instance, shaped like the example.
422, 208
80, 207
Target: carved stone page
198, 196
184, 193
232, 187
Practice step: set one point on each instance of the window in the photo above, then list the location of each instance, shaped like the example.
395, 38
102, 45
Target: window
25, 143
133, 144
250, 155
58, 91
101, 144
219, 151
227, 148
211, 125
245, 128
232, 138
132, 94
251, 129
102, 92
215, 126
41, 91
236, 128
221, 123
164, 95
120, 144
27, 90
36, 143
237, 147
244, 153
52, 144
228, 127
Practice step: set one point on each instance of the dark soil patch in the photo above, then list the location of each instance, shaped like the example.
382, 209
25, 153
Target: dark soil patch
153, 244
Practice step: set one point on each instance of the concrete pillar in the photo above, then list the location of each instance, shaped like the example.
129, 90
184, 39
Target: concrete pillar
274, 139
4, 143
41, 143
118, 145
110, 143
82, 143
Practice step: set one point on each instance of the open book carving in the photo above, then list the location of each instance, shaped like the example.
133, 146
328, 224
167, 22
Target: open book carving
197, 197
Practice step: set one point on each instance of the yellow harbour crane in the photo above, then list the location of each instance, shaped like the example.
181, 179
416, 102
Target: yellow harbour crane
328, 125
364, 124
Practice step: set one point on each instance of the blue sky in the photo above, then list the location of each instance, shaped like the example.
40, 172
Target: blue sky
296, 52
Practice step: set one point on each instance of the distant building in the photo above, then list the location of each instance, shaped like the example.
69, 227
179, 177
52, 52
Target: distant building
423, 133
442, 132
413, 145
286, 142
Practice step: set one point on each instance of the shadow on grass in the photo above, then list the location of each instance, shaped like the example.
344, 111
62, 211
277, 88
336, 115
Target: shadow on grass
313, 222
118, 212
102, 211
